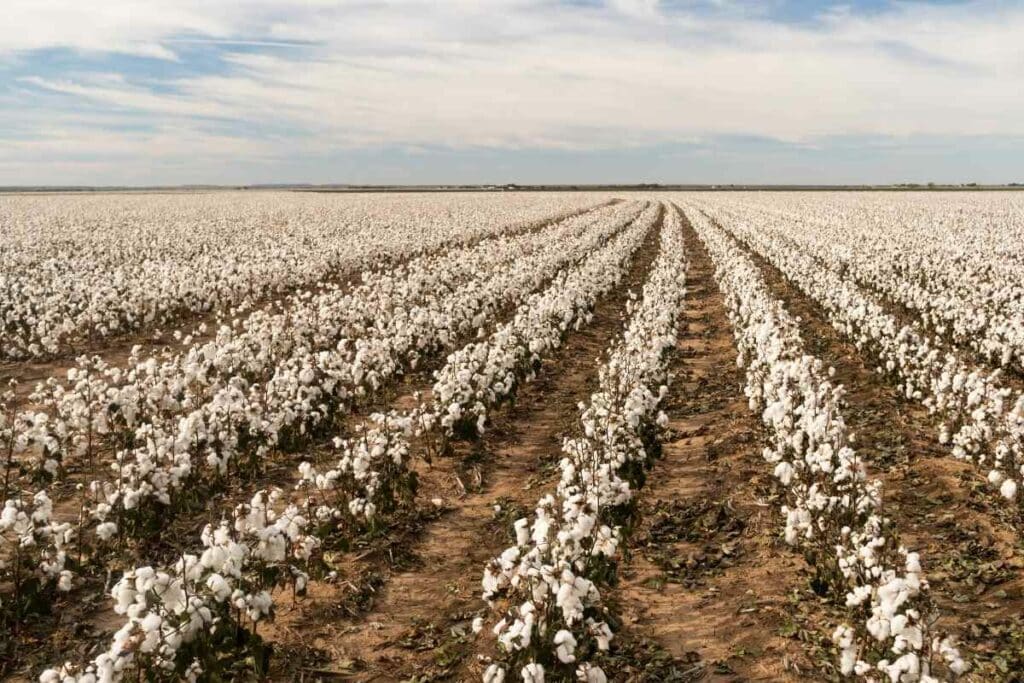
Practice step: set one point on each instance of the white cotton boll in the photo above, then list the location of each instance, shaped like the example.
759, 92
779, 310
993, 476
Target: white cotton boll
64, 582
522, 527
784, 473
219, 586
589, 673
565, 647
1008, 489
951, 655
151, 623
843, 637
106, 531
478, 624
533, 673
495, 673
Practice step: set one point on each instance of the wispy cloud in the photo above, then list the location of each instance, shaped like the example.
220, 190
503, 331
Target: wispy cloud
279, 81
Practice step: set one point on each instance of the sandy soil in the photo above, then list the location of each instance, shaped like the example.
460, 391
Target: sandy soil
708, 581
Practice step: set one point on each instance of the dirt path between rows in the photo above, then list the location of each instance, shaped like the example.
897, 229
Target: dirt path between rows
970, 549
709, 582
416, 619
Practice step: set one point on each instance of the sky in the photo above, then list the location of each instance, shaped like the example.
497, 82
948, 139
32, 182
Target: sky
132, 92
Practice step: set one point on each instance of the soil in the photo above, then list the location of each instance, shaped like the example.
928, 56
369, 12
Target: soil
709, 582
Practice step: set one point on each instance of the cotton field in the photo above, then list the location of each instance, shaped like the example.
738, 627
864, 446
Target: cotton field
512, 436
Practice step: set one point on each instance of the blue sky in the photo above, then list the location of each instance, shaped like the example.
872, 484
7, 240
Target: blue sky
256, 91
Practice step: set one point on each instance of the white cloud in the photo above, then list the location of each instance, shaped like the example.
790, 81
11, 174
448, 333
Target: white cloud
531, 73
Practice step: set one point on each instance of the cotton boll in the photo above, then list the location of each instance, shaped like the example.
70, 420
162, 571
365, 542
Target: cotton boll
533, 673
495, 673
522, 531
590, 673
784, 473
565, 645
106, 531
219, 586
1009, 489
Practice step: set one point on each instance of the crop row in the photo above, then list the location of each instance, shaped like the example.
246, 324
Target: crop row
546, 590
75, 269
957, 270
189, 618
832, 510
982, 418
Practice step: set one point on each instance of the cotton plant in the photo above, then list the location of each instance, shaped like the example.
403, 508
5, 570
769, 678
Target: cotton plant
831, 510
36, 565
18, 436
550, 622
981, 416
83, 270
371, 477
180, 620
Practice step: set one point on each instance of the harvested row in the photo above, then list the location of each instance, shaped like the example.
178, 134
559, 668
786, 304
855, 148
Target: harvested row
230, 585
832, 511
